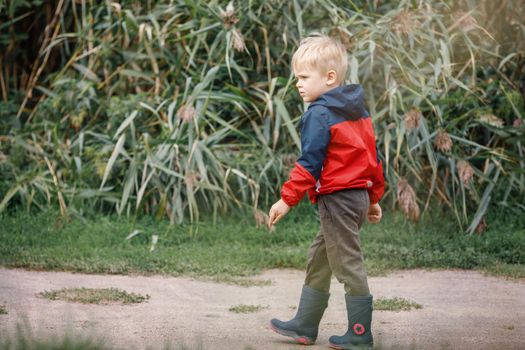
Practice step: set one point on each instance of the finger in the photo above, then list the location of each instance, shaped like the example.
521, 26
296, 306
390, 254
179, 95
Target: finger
277, 218
271, 218
373, 218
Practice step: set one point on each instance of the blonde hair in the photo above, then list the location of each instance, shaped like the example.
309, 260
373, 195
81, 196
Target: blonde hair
322, 53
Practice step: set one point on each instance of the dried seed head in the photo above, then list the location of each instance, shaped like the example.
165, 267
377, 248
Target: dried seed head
482, 226
344, 37
405, 22
191, 177
186, 113
465, 170
517, 122
465, 21
491, 120
238, 41
443, 142
407, 199
228, 17
412, 118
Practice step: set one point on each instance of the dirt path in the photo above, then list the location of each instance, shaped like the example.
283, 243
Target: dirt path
461, 310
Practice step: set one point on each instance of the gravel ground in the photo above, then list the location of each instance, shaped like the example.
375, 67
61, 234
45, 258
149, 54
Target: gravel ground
461, 310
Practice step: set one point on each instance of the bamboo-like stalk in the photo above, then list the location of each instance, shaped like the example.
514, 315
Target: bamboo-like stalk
3, 82
61, 201
177, 121
38, 69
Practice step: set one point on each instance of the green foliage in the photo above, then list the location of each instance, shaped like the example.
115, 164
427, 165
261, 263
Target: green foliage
246, 309
234, 247
395, 304
95, 295
174, 109
510, 270
26, 338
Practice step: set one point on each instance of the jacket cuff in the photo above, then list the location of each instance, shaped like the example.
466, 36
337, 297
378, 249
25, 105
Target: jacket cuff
299, 183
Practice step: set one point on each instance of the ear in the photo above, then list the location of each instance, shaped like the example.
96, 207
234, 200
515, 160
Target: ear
331, 77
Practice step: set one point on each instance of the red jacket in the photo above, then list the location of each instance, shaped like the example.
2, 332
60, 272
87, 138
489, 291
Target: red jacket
338, 149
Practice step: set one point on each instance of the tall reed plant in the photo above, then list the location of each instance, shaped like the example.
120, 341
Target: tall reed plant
175, 108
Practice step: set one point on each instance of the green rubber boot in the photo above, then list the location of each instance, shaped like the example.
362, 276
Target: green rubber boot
304, 326
359, 334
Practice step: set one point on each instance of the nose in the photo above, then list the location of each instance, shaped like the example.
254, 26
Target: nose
298, 84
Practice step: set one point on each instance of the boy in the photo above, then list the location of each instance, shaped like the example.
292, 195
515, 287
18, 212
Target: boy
339, 169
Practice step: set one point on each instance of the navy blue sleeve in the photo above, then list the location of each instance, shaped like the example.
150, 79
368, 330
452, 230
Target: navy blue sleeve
315, 137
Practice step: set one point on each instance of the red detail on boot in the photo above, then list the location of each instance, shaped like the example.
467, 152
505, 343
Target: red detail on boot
359, 329
303, 341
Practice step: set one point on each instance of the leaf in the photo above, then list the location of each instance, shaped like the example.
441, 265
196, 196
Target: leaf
128, 186
354, 70
205, 82
140, 193
126, 123
154, 240
460, 84
8, 197
136, 74
506, 59
298, 17
484, 203
133, 234
445, 55
116, 151
283, 112
88, 73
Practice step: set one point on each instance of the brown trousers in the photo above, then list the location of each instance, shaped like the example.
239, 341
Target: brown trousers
336, 248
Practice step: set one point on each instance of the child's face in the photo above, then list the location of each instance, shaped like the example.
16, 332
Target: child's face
311, 83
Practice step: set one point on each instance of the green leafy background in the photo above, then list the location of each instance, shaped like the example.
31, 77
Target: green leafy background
180, 109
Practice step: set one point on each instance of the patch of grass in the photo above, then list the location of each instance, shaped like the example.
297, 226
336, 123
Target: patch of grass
3, 310
26, 339
436, 242
395, 304
239, 281
231, 247
506, 270
234, 247
246, 309
95, 296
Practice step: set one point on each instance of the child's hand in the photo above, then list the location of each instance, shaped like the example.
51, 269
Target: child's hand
278, 210
374, 213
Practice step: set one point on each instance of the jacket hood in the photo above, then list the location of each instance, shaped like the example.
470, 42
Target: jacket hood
346, 101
